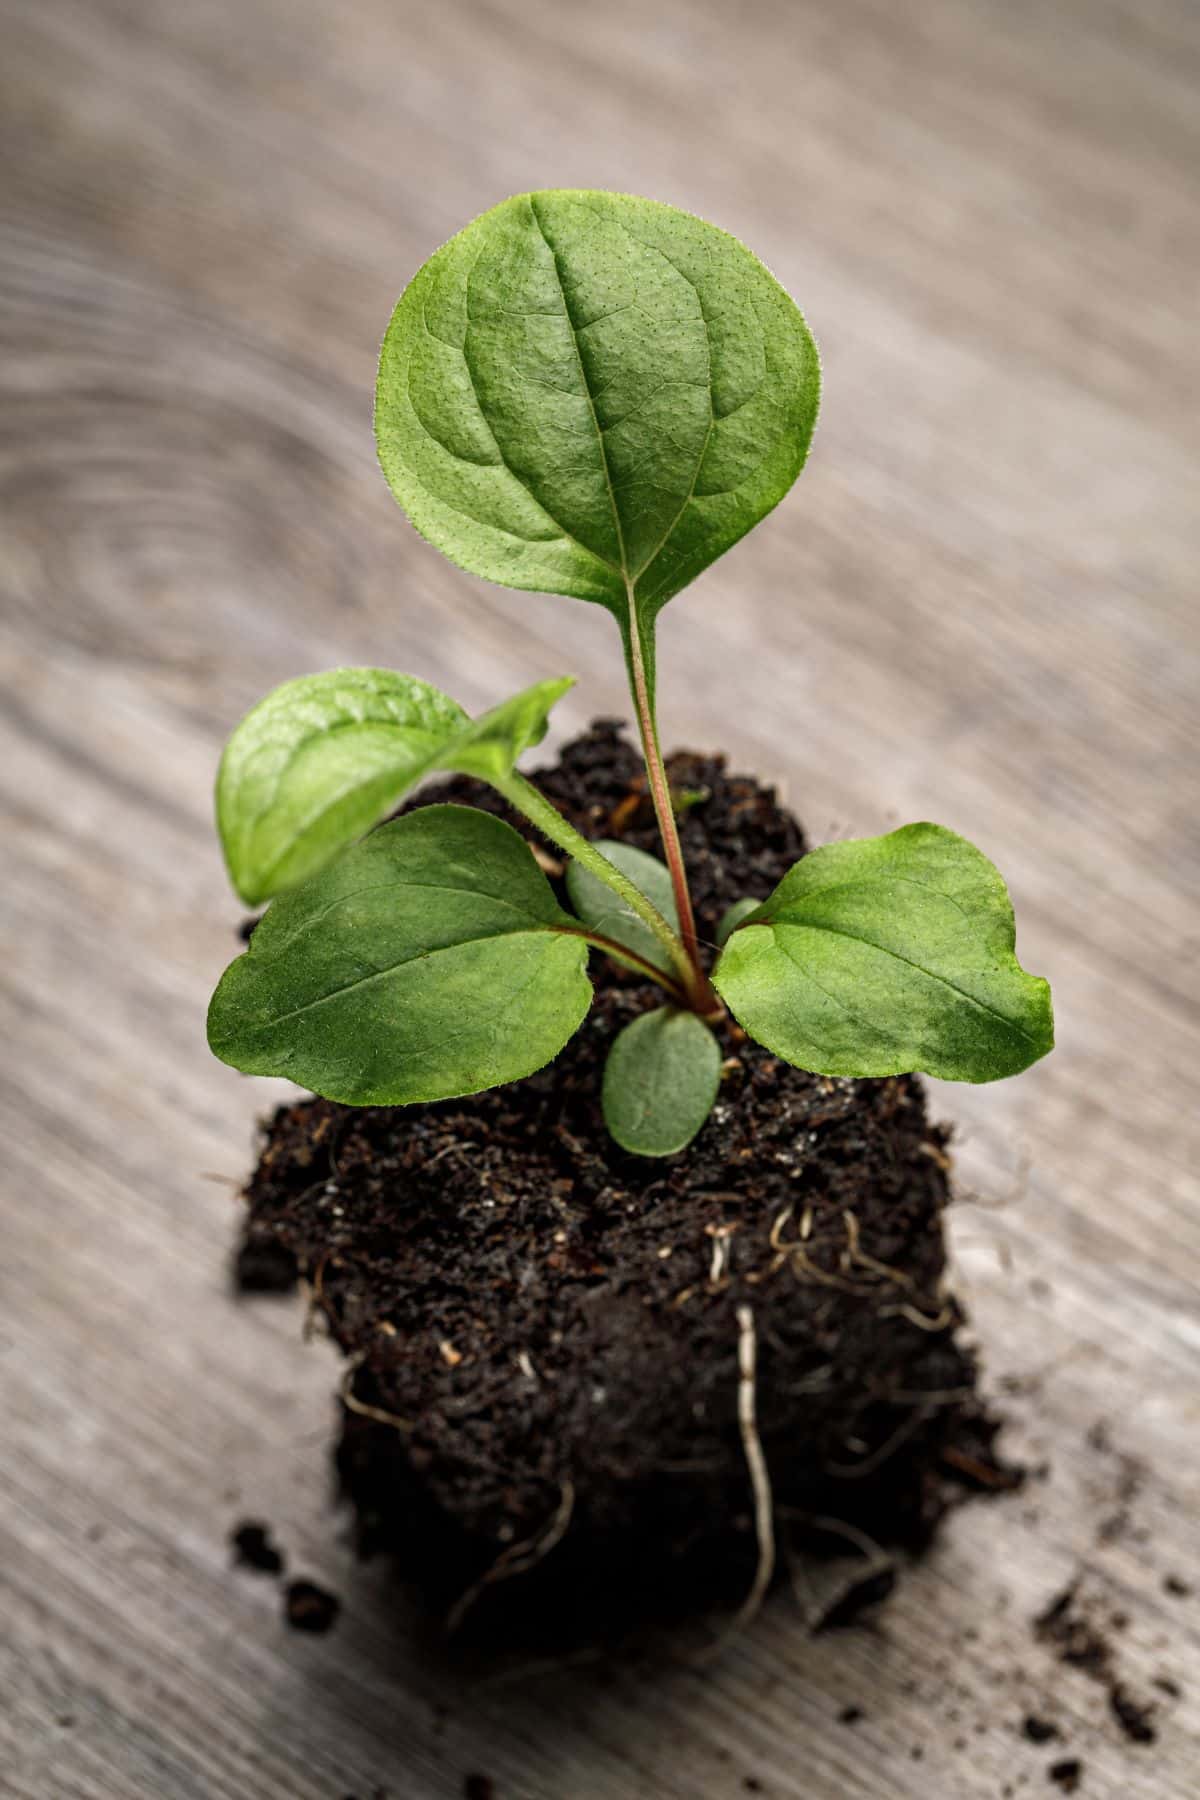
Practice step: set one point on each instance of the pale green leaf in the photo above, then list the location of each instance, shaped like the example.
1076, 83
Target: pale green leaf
489, 746
316, 764
590, 394
733, 916
429, 961
607, 913
886, 955
660, 1081
322, 759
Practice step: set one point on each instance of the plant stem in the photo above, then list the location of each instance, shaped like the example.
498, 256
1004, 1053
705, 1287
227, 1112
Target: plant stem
660, 793
527, 799
641, 965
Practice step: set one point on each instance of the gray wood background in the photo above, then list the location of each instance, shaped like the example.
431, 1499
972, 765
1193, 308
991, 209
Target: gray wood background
978, 606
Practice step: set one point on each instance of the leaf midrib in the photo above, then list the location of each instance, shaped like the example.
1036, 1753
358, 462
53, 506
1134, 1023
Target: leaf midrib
630, 577
623, 570
403, 962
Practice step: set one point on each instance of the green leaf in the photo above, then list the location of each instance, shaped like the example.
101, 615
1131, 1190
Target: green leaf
490, 746
660, 1081
589, 394
607, 913
316, 764
886, 955
431, 960
733, 916
322, 759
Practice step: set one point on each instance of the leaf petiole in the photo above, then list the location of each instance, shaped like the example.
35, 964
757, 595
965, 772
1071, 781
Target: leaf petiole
705, 1001
629, 959
529, 801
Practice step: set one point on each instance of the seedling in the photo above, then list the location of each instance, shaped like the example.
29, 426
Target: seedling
594, 396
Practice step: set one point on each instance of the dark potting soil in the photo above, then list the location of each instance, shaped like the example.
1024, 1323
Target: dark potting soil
541, 1405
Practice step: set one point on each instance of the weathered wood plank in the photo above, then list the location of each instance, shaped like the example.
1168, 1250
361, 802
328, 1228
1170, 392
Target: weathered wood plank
979, 607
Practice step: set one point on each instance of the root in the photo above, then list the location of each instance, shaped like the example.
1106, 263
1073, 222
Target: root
885, 1451
518, 1559
722, 1245
352, 1403
941, 1322
760, 1482
756, 1463
819, 1611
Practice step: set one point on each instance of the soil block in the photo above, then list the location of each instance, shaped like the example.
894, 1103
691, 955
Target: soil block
540, 1410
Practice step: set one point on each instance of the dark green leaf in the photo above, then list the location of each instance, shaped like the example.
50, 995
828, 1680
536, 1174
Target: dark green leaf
316, 764
660, 1081
429, 961
322, 759
589, 394
606, 913
886, 955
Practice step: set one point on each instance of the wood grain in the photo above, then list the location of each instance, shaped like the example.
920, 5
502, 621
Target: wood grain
979, 606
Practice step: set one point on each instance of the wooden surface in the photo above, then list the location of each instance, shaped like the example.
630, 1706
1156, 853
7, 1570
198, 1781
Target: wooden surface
978, 606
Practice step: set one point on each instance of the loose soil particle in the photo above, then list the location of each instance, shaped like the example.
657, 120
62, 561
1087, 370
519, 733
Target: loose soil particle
541, 1399
253, 1548
1080, 1643
308, 1607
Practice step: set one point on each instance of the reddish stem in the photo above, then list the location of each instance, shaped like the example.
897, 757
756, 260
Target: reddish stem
703, 998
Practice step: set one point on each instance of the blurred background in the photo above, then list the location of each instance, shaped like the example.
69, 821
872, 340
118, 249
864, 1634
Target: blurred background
978, 606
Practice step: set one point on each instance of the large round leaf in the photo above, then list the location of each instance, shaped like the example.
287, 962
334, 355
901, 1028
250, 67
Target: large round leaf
593, 395
431, 960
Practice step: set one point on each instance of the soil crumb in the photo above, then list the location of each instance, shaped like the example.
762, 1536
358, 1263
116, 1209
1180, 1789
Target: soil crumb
1080, 1642
262, 1265
253, 1548
308, 1607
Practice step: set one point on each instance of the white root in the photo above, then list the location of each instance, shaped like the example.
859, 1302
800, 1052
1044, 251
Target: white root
756, 1463
351, 1401
518, 1559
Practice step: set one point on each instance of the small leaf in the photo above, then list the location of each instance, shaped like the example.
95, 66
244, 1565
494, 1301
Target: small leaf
589, 394
660, 1081
429, 961
322, 759
316, 764
733, 916
607, 913
490, 746
886, 955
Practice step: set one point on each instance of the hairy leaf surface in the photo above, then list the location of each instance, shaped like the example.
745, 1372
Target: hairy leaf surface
431, 960
886, 955
660, 1081
316, 764
322, 759
489, 746
607, 913
595, 395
